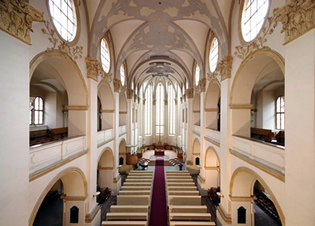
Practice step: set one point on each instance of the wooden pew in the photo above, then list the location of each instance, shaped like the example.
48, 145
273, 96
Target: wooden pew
59, 133
184, 200
138, 184
190, 216
135, 188
126, 216
261, 134
179, 180
124, 223
176, 184
140, 177
175, 171
178, 177
142, 192
191, 223
188, 209
179, 188
139, 180
133, 200
183, 193
129, 208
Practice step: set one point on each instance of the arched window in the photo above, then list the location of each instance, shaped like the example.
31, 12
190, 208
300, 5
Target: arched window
213, 56
253, 18
105, 56
160, 109
64, 18
74, 214
171, 109
148, 111
280, 113
37, 112
241, 215
197, 74
122, 75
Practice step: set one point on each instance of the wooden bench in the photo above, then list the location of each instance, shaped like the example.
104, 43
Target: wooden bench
136, 172
140, 177
138, 184
39, 133
179, 188
59, 132
176, 184
183, 193
175, 171
133, 200
124, 223
178, 174
142, 192
261, 134
129, 208
132, 188
184, 200
178, 177
126, 216
190, 216
139, 180
188, 209
191, 223
179, 180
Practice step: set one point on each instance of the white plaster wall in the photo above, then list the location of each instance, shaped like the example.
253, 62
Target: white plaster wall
14, 117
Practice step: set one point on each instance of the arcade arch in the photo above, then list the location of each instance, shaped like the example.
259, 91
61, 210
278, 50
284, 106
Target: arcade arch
107, 102
212, 168
212, 105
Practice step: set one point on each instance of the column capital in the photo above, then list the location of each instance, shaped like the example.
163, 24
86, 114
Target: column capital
224, 68
190, 93
129, 93
117, 85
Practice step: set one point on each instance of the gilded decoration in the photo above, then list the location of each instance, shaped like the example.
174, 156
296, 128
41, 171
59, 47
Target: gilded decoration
73, 52
16, 18
297, 17
129, 93
117, 85
190, 93
202, 84
95, 69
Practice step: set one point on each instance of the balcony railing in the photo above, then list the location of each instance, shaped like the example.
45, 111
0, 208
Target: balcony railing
267, 155
104, 136
122, 130
197, 130
213, 135
49, 154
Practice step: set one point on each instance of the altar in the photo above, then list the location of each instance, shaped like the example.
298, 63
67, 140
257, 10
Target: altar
159, 153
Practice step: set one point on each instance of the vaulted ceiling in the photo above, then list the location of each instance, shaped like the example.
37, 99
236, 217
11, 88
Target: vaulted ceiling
159, 36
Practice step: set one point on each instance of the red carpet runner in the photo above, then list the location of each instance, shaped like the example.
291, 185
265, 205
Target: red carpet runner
158, 215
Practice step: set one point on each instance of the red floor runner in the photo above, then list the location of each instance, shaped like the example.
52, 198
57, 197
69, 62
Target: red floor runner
158, 215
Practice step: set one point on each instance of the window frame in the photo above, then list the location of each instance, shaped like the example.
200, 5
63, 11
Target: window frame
281, 113
34, 110
148, 110
217, 54
171, 110
197, 80
76, 19
122, 79
242, 12
105, 41
160, 119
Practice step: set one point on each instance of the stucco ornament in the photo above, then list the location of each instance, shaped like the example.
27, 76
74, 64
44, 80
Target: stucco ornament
224, 68
190, 93
95, 69
16, 18
297, 17
117, 85
73, 52
129, 93
201, 87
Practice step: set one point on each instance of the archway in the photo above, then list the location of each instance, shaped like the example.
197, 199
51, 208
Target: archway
242, 194
259, 68
71, 183
105, 174
123, 151
212, 168
212, 105
195, 151
56, 70
107, 101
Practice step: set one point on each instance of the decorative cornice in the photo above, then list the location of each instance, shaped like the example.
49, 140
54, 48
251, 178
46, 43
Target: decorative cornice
242, 198
16, 18
190, 93
77, 108
117, 85
74, 198
73, 52
241, 106
129, 93
95, 69
297, 17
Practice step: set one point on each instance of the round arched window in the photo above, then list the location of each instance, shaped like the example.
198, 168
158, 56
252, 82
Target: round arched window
213, 56
122, 75
64, 18
197, 74
253, 17
105, 56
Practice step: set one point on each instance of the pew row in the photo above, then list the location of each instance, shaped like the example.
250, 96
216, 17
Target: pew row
179, 180
179, 188
141, 192
124, 223
190, 216
176, 184
191, 223
126, 216
184, 200
177, 177
188, 209
183, 193
138, 184
133, 200
133, 188
129, 209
